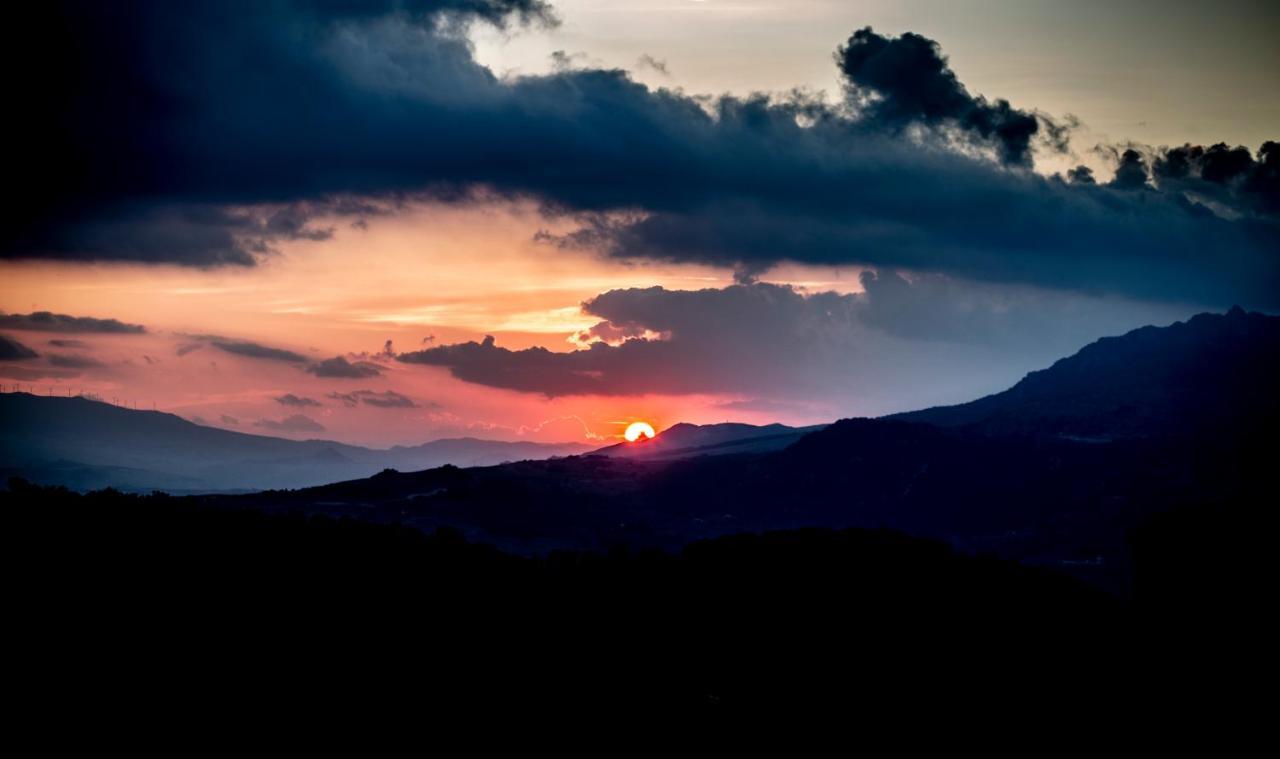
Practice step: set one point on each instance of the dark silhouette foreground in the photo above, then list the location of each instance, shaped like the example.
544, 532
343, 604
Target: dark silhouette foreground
166, 604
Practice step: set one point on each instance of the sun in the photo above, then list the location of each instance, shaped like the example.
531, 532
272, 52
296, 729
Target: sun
636, 430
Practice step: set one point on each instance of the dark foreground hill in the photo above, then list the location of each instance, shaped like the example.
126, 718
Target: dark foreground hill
86, 444
189, 605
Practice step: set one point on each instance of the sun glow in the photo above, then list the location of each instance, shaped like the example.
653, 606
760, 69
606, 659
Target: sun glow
636, 430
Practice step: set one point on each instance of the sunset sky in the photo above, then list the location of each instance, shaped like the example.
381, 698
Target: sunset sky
391, 222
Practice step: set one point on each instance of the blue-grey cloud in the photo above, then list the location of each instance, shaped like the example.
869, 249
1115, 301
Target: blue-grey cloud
289, 399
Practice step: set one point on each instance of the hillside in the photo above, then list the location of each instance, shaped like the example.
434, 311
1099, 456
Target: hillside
1210, 374
687, 440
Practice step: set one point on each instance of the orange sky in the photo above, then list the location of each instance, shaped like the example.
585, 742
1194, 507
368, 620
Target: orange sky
451, 273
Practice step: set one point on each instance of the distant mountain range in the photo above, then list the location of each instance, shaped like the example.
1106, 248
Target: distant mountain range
1055, 471
86, 444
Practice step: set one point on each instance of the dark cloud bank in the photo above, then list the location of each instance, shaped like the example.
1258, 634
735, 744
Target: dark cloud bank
194, 133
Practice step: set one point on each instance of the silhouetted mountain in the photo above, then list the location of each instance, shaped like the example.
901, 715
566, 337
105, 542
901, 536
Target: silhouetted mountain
87, 444
1058, 498
1212, 374
685, 440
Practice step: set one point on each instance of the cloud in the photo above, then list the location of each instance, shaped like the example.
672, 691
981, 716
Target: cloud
340, 368
44, 321
875, 350
647, 61
244, 348
154, 142
12, 350
386, 399
1131, 172
900, 81
230, 420
294, 423
289, 399
72, 361
1230, 177
77, 344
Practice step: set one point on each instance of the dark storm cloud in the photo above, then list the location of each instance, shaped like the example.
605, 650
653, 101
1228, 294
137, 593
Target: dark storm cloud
44, 321
900, 81
1227, 175
385, 399
289, 399
190, 133
764, 339
295, 423
1131, 172
12, 350
341, 368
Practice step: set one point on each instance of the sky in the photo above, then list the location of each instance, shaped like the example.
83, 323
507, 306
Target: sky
397, 221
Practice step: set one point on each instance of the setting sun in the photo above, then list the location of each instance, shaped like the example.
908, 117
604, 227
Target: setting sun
638, 429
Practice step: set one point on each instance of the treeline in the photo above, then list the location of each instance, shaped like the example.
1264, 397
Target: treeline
182, 598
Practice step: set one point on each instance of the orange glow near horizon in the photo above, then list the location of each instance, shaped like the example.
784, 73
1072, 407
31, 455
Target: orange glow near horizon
409, 278
636, 430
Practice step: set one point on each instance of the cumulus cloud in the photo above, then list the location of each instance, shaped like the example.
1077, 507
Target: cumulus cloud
900, 81
12, 350
386, 101
289, 399
44, 321
295, 423
339, 367
1230, 176
385, 399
